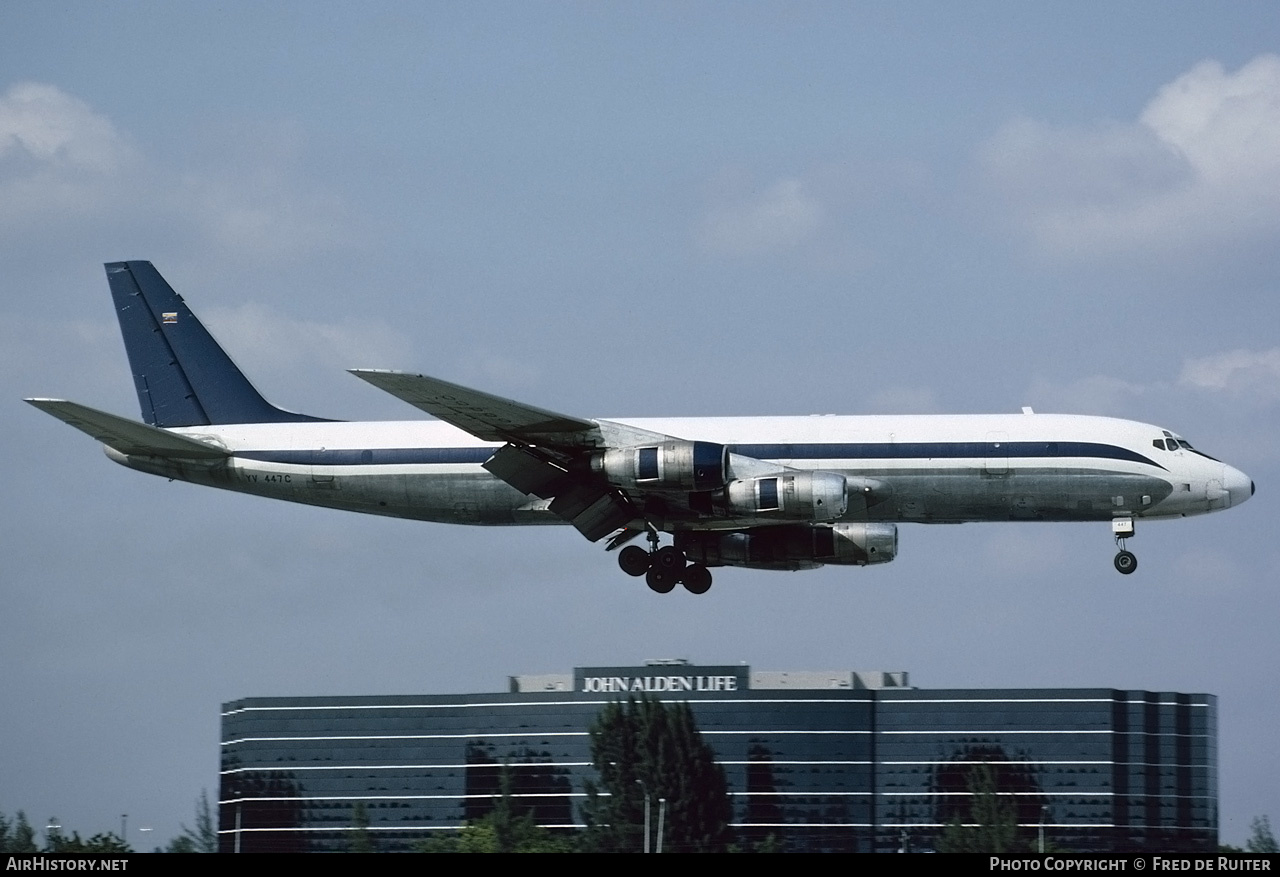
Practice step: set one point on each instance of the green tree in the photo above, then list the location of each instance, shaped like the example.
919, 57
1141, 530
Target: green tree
644, 747
22, 837
103, 842
361, 841
204, 837
1261, 840
992, 822
107, 842
507, 828
181, 844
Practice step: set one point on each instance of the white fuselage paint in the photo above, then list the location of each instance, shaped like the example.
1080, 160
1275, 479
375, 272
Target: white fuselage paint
1018, 467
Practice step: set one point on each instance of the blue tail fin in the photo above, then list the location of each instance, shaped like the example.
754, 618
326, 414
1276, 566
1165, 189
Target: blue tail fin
183, 377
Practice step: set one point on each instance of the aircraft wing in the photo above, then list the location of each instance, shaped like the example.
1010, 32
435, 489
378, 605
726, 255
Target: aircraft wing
128, 436
568, 459
545, 452
485, 416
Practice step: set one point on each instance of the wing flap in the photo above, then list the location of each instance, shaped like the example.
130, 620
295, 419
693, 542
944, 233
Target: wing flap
527, 472
595, 512
128, 436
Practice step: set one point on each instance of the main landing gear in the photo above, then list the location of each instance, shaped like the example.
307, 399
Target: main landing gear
664, 568
1126, 561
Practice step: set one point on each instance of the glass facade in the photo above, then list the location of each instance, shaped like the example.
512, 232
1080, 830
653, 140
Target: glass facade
815, 761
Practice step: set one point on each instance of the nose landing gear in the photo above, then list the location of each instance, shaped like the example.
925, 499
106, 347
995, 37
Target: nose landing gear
1126, 561
664, 568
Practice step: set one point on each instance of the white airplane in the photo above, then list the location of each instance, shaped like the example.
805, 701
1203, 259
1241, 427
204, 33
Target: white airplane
782, 493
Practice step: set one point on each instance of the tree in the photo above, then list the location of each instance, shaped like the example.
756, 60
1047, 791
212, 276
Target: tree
107, 842
204, 837
361, 841
22, 837
1262, 840
992, 822
508, 827
180, 844
645, 748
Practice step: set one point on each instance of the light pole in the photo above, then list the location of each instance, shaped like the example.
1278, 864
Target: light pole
645, 790
53, 832
662, 819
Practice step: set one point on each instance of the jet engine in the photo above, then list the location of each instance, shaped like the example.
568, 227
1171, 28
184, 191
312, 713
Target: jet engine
792, 546
797, 496
673, 465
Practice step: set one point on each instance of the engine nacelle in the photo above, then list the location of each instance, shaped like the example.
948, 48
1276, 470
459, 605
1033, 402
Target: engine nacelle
674, 465
799, 496
792, 546
858, 544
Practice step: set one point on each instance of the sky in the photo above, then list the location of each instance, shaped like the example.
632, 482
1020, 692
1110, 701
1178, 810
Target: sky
642, 209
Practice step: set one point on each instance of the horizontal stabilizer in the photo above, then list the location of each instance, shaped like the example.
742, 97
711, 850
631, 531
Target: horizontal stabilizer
128, 436
489, 418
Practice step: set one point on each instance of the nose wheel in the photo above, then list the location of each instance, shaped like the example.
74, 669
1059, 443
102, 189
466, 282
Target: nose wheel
1126, 561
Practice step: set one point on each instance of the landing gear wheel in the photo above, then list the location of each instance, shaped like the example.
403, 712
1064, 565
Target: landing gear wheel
669, 559
697, 579
634, 560
661, 580
1126, 562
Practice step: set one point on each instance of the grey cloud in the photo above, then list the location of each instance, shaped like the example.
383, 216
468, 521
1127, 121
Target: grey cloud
67, 169
775, 220
1197, 169
1254, 374
52, 127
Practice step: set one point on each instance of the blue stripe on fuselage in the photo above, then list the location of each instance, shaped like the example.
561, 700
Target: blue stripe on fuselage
804, 451
372, 456
938, 450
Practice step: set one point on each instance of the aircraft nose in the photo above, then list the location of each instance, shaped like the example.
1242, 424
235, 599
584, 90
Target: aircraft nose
1239, 486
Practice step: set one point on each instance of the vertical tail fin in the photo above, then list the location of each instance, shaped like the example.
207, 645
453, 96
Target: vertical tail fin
182, 376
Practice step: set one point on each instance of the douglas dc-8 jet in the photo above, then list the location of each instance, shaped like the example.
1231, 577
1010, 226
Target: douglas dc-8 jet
777, 493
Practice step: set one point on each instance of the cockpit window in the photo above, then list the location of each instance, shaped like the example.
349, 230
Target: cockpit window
1168, 443
1172, 443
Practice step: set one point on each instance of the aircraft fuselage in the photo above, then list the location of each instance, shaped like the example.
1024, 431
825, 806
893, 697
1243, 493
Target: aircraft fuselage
780, 493
937, 468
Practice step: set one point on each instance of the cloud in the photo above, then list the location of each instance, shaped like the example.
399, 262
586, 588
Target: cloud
66, 169
1249, 375
489, 368
1241, 373
267, 216
1199, 164
58, 158
1094, 394
266, 341
775, 220
52, 127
